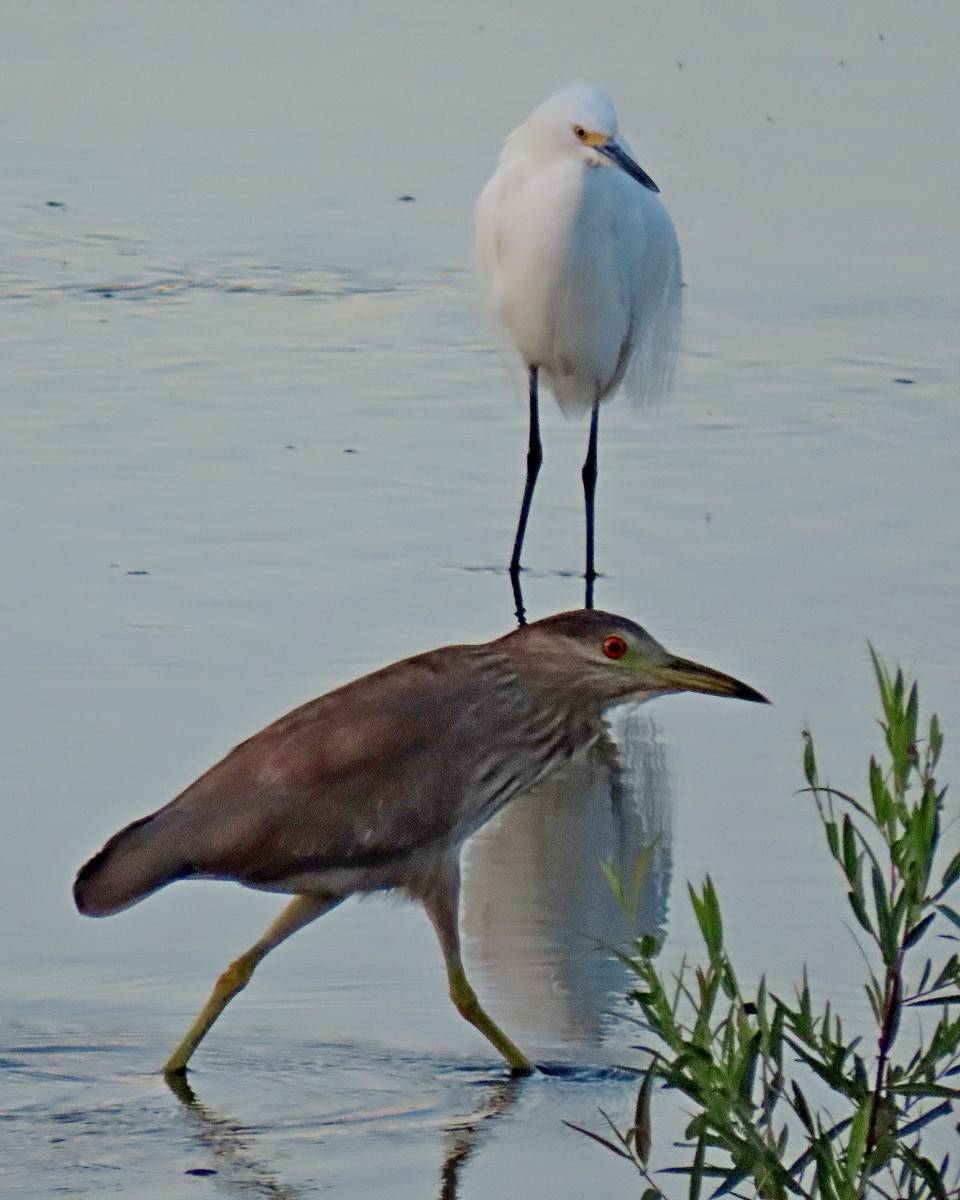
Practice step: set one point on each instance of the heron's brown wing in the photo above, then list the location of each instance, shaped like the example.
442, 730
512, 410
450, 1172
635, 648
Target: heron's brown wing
359, 776
354, 778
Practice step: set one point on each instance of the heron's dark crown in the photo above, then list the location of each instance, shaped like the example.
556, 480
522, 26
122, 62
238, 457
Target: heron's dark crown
581, 623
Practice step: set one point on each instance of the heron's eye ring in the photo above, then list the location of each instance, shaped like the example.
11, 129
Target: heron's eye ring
614, 646
580, 132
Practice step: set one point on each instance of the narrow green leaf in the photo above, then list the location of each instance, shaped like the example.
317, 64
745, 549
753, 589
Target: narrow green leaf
824, 1138
924, 1167
950, 972
935, 739
912, 712
640, 870
875, 996
857, 1142
809, 759
759, 1008
829, 1072
928, 1090
641, 1118
827, 1169
950, 913
851, 860
860, 909
709, 1172
801, 1108
748, 1069
615, 884
898, 689
883, 677
776, 1036
944, 1109
706, 908
731, 1180
696, 1171
886, 929
805, 1014
916, 933
879, 793
597, 1138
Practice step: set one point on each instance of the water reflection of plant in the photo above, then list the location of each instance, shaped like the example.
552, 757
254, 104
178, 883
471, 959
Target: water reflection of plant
785, 1102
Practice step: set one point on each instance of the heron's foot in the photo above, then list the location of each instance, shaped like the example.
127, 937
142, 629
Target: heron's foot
234, 979
470, 1008
176, 1081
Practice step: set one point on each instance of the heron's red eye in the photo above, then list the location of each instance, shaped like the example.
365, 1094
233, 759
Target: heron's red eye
614, 646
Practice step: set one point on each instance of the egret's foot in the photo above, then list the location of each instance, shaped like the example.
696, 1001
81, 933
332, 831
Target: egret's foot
518, 605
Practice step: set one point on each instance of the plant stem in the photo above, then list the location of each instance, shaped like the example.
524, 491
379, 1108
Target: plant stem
893, 995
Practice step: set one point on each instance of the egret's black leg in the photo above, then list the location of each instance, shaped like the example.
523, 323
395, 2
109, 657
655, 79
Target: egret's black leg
589, 476
518, 605
534, 459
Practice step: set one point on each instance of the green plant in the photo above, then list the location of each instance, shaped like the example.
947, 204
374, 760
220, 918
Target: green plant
784, 1103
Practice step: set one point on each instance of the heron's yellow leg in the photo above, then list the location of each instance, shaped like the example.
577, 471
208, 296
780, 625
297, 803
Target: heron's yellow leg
299, 912
443, 906
465, 998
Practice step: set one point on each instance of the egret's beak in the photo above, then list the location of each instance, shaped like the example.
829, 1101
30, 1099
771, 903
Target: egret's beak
618, 155
682, 675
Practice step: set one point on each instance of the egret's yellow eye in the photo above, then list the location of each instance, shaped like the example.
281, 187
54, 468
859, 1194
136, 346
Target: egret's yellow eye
580, 132
614, 646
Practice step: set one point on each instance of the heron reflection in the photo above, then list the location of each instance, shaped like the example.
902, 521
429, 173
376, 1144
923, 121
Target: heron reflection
233, 1155
228, 1148
538, 913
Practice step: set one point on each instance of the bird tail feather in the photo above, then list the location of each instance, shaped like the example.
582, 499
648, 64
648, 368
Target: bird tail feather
135, 862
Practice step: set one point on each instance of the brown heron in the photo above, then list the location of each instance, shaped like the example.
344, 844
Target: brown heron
376, 785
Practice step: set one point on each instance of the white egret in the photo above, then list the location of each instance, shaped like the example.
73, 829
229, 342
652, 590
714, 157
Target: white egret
581, 266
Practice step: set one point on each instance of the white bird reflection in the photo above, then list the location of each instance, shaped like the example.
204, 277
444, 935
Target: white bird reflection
539, 916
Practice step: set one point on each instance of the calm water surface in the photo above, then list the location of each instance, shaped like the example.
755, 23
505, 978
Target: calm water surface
257, 439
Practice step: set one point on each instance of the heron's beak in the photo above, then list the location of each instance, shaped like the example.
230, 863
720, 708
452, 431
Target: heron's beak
682, 675
618, 155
